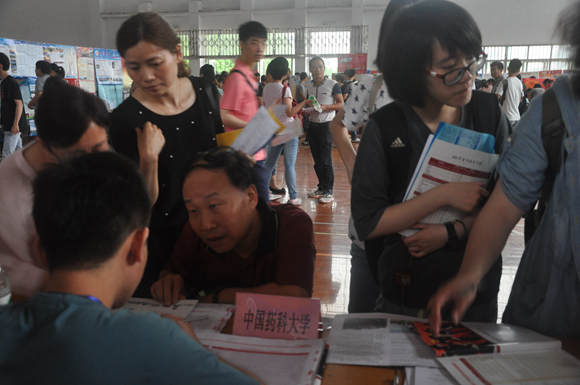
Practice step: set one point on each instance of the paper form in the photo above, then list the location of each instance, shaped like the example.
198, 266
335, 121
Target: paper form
276, 362
257, 133
217, 314
180, 309
554, 367
377, 339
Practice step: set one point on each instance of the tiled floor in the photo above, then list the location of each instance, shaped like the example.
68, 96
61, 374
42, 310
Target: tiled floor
332, 274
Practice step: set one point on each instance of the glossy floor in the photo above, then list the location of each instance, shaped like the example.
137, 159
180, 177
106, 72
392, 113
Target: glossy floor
332, 273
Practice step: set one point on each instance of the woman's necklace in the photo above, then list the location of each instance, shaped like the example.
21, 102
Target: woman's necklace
178, 100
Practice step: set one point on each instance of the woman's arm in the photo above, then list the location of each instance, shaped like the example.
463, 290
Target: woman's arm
463, 196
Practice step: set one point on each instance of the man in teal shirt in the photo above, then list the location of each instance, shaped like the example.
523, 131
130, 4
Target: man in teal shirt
91, 214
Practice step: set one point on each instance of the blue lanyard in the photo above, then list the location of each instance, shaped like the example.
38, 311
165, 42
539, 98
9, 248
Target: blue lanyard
94, 299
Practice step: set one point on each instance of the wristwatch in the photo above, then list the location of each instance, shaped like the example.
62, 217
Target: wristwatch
453, 242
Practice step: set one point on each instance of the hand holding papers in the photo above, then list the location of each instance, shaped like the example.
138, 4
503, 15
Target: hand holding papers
258, 132
453, 155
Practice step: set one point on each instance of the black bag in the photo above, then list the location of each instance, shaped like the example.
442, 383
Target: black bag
553, 131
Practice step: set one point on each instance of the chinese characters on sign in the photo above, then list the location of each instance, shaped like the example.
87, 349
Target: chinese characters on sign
269, 316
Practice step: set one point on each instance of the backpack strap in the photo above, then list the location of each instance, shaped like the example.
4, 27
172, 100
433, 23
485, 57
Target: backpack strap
504, 84
397, 149
249, 83
211, 99
553, 131
374, 92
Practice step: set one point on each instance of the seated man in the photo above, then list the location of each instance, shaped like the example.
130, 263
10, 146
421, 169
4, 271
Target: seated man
91, 214
234, 241
68, 120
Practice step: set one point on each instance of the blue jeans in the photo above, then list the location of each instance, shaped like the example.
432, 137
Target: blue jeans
11, 143
261, 180
290, 151
320, 141
364, 291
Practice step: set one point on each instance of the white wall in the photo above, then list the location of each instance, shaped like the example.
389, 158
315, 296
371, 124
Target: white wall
95, 22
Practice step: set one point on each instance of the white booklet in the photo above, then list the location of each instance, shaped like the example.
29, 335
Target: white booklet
275, 362
443, 162
377, 339
554, 367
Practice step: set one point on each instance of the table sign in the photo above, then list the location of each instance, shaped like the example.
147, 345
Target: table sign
272, 316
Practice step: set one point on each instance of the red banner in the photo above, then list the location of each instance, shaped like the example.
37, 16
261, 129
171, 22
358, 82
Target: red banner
358, 61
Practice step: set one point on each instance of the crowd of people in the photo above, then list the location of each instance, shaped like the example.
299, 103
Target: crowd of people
142, 202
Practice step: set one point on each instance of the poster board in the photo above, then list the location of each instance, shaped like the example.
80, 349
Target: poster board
358, 61
86, 69
108, 66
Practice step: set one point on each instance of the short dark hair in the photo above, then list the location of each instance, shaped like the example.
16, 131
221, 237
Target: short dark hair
252, 29
433, 21
236, 165
64, 113
515, 65
497, 64
339, 78
4, 61
208, 71
349, 73
315, 58
263, 78
85, 207
303, 75
569, 30
393, 7
547, 81
256, 74
43, 66
537, 85
278, 68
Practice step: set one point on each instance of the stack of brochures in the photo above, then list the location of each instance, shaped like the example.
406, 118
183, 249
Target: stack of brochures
470, 353
453, 154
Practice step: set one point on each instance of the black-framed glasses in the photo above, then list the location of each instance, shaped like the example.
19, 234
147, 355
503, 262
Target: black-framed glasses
455, 76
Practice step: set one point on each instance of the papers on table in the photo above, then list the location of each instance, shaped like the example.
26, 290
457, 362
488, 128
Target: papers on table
433, 376
377, 339
554, 367
452, 155
210, 318
276, 362
180, 309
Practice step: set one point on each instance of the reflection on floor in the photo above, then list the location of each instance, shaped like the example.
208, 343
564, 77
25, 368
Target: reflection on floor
332, 273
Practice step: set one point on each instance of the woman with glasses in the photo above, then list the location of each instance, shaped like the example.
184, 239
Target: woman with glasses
430, 70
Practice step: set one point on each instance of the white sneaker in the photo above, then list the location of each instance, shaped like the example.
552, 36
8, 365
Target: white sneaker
326, 198
295, 202
315, 193
274, 197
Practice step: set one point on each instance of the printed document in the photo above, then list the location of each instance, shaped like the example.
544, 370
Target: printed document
554, 367
448, 163
180, 309
210, 318
377, 339
258, 132
276, 362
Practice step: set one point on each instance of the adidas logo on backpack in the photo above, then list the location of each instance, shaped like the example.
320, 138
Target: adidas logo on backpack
397, 143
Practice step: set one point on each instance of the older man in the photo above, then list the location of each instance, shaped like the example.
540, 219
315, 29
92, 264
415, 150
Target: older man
234, 241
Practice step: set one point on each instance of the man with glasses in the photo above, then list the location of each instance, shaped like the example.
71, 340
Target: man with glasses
69, 121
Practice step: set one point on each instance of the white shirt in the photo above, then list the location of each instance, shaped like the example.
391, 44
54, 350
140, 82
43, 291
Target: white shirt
514, 94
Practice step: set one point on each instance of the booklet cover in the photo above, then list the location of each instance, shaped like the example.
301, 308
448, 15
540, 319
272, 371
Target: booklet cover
454, 340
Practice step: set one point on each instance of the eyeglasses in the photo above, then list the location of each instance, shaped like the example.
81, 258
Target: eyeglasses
455, 76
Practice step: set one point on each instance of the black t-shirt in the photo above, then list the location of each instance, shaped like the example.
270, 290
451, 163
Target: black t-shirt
186, 134
10, 92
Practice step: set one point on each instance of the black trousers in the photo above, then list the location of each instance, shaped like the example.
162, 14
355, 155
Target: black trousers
320, 142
